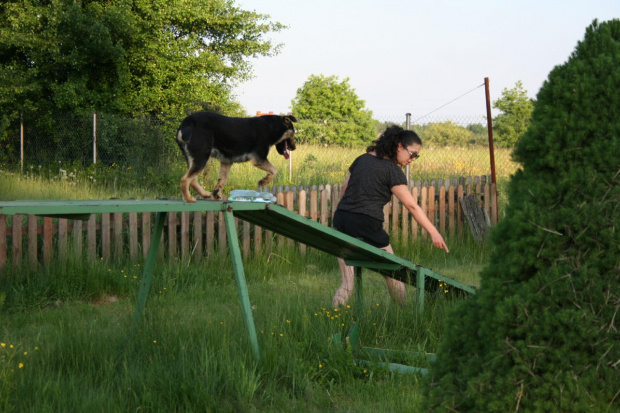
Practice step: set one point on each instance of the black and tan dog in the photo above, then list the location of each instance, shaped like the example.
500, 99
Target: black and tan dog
203, 135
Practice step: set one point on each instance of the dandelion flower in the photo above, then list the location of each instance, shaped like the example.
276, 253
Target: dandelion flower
320, 366
3, 344
21, 365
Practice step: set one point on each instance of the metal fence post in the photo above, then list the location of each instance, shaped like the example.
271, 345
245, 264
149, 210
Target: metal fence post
21, 142
94, 137
407, 126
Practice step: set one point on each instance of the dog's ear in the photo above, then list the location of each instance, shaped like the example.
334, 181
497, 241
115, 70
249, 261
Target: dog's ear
289, 118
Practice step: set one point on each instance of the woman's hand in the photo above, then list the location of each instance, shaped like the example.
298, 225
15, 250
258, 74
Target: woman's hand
403, 194
438, 241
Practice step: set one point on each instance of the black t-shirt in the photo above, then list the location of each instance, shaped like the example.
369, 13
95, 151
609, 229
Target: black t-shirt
370, 185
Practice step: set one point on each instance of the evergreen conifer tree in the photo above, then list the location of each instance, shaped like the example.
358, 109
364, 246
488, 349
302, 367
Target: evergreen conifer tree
543, 332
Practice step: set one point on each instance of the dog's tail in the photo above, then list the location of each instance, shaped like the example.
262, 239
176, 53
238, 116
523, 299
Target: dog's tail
184, 134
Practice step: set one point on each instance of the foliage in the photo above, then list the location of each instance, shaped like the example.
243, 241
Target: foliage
541, 334
132, 58
330, 112
510, 125
439, 134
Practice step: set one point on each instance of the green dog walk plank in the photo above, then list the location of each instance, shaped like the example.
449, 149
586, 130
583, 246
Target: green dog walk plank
82, 207
269, 216
291, 225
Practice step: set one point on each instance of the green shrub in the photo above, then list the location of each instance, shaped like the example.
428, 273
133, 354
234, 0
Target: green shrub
542, 334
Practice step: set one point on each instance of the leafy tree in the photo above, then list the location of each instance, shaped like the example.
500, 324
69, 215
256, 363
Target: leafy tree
510, 125
542, 333
156, 58
445, 134
330, 112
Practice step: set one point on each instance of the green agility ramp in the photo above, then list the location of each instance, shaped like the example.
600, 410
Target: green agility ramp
270, 216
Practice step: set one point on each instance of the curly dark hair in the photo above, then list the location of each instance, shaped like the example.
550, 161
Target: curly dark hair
386, 144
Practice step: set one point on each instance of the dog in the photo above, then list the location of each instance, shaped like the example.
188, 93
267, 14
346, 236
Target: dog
203, 135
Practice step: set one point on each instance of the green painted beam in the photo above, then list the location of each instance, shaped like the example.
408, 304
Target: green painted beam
85, 207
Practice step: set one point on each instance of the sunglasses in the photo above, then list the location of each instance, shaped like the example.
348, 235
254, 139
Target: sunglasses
413, 156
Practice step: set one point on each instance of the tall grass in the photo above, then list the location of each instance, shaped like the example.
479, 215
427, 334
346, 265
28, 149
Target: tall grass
70, 328
311, 165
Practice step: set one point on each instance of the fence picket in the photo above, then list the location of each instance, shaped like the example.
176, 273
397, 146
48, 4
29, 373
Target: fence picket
16, 230
105, 236
62, 238
431, 204
459, 208
451, 211
494, 211
3, 244
290, 205
118, 234
172, 234
221, 234
77, 236
146, 233
91, 231
324, 212
302, 212
48, 236
185, 245
33, 240
197, 236
133, 236
442, 209
414, 223
209, 232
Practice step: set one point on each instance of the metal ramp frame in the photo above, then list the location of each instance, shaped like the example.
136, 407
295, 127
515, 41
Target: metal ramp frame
272, 217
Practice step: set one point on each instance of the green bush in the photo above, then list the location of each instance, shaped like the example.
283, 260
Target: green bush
542, 334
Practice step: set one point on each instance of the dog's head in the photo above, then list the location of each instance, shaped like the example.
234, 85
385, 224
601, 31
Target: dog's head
287, 143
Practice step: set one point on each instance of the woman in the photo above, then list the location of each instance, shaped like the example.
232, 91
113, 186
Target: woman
372, 179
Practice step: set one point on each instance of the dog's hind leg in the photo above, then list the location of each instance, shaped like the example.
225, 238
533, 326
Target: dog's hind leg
191, 178
267, 167
221, 182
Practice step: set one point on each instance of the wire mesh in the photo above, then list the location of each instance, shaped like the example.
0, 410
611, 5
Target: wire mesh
453, 145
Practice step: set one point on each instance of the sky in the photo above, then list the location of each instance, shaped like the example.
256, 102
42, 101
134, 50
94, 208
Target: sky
427, 58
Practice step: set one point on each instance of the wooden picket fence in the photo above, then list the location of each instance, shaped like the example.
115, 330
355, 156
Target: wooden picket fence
32, 240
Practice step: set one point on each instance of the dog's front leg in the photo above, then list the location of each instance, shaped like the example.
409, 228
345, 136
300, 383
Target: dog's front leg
221, 182
267, 167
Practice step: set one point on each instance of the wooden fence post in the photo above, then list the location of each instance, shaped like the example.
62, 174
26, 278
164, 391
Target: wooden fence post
33, 241
3, 243
302, 212
16, 231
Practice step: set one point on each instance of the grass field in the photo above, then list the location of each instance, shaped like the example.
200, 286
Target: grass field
67, 336
311, 165
67, 342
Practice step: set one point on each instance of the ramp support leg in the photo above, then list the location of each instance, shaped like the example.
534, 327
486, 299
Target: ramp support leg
359, 296
420, 278
246, 309
147, 274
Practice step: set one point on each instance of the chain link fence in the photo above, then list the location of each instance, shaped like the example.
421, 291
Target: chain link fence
458, 143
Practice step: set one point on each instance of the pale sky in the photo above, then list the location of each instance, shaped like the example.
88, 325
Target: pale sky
414, 56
